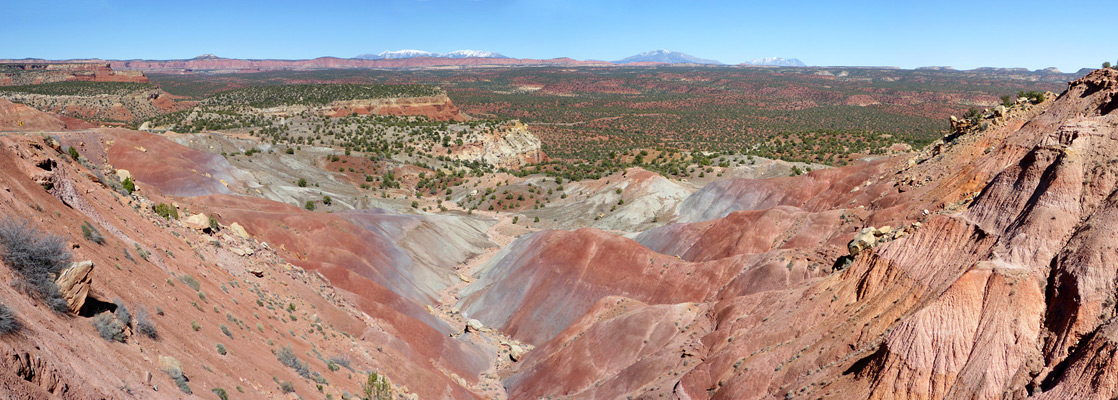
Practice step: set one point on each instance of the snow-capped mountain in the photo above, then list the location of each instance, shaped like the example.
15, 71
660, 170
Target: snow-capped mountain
472, 53
420, 53
776, 61
666, 56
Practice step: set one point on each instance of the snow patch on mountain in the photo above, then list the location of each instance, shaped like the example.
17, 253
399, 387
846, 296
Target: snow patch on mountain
409, 53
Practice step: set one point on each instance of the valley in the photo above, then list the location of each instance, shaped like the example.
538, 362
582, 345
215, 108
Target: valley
560, 232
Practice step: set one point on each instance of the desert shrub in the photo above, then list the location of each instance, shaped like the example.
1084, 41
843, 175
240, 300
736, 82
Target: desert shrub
8, 321
310, 205
122, 313
190, 281
221, 394
376, 387
287, 387
288, 358
1106, 64
327, 200
342, 361
973, 115
302, 182
213, 224
180, 380
1033, 96
73, 153
225, 330
109, 327
194, 325
221, 349
166, 211
92, 234
128, 185
35, 256
144, 325
1007, 100
140, 250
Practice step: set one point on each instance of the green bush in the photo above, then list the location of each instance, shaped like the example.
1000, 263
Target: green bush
309, 205
221, 349
221, 394
166, 211
128, 185
92, 234
1033, 96
302, 182
73, 153
973, 115
376, 387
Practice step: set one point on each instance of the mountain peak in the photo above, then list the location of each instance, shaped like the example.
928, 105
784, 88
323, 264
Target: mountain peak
666, 56
411, 53
776, 61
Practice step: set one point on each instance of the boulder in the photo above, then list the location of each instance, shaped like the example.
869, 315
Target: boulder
862, 241
473, 325
256, 270
516, 353
73, 282
123, 174
238, 230
1000, 111
198, 222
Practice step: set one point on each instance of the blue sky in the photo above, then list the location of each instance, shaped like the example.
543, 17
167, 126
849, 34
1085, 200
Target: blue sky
964, 34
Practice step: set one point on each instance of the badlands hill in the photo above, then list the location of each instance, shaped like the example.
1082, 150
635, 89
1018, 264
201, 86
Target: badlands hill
978, 267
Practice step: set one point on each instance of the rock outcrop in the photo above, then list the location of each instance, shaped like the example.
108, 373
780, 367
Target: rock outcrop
509, 145
74, 282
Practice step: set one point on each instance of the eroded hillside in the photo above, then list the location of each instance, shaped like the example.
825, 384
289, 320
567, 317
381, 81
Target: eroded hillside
977, 267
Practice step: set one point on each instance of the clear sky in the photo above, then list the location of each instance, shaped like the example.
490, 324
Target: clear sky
964, 34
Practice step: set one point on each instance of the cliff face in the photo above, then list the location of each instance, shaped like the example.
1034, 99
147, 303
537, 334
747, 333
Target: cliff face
509, 145
439, 108
36, 73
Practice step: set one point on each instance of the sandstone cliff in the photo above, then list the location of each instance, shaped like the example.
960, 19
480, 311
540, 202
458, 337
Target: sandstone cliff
508, 145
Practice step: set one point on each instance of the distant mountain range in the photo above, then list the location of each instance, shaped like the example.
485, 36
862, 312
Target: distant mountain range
665, 56
401, 54
776, 61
